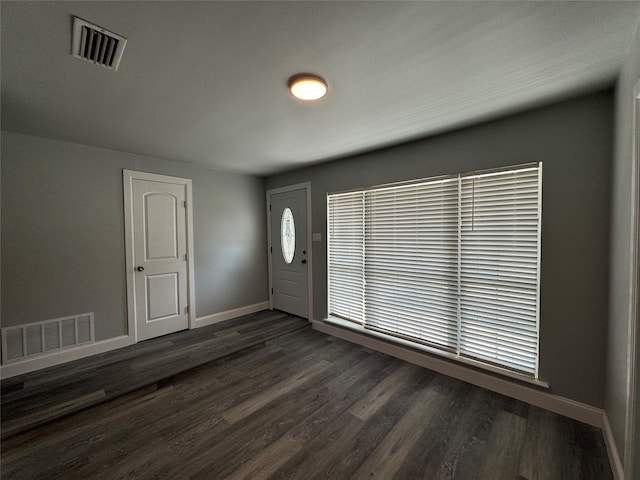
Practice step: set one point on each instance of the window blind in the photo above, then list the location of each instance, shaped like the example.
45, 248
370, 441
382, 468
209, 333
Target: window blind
452, 263
411, 261
345, 263
499, 268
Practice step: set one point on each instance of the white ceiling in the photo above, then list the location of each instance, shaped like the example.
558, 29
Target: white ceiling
205, 82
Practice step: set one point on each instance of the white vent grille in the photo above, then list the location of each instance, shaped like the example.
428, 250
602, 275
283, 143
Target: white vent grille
96, 45
25, 341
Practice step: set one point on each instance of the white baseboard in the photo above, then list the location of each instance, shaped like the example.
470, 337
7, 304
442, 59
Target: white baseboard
612, 449
540, 398
56, 358
229, 314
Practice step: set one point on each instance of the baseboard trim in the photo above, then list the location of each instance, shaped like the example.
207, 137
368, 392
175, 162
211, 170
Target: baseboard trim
56, 358
540, 398
612, 449
229, 314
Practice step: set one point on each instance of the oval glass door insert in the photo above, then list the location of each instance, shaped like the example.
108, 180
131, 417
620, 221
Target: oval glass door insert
288, 235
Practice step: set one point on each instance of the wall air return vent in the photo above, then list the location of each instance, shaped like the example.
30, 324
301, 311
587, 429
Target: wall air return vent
97, 45
22, 342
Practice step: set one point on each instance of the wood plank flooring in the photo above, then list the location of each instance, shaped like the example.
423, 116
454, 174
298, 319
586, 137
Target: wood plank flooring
39, 397
298, 405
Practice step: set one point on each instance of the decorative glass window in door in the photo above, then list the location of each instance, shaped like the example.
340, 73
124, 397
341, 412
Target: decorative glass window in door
288, 235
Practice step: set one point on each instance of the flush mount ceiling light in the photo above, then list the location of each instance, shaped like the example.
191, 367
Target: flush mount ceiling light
306, 86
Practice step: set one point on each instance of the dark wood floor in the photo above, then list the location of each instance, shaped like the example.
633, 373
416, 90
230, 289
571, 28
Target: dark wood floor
39, 397
301, 405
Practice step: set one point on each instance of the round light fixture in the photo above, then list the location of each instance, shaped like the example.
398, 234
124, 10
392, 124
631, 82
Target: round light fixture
306, 86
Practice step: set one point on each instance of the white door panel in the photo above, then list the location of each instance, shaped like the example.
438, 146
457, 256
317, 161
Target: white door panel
289, 233
159, 253
162, 292
160, 226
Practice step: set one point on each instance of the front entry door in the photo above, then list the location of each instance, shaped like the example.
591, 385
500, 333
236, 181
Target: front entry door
159, 257
289, 251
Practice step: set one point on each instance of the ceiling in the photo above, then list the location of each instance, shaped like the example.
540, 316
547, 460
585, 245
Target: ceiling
205, 82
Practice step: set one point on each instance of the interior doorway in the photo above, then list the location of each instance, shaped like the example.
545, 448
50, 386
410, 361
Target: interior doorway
159, 259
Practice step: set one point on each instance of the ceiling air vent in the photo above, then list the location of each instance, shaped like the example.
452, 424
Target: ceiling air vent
96, 45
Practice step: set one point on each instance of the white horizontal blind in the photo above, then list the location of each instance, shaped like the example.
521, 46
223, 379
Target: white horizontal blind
499, 268
345, 261
411, 261
451, 263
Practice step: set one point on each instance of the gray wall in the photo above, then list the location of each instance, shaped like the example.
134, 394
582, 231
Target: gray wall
574, 140
618, 336
63, 233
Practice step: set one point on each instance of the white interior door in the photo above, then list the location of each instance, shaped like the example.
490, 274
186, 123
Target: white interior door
289, 251
159, 257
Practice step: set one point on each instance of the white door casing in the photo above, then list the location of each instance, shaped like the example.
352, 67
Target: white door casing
290, 278
159, 260
633, 356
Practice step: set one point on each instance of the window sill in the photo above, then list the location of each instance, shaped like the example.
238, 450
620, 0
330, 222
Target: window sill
433, 351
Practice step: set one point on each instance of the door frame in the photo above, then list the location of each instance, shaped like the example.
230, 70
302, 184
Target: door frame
298, 186
633, 355
128, 176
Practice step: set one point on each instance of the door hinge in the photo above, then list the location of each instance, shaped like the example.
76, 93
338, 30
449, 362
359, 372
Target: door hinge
269, 207
272, 291
271, 249
186, 309
186, 257
184, 204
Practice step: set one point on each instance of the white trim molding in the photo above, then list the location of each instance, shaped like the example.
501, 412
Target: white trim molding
298, 186
229, 314
63, 356
540, 398
612, 450
633, 353
127, 179
191, 285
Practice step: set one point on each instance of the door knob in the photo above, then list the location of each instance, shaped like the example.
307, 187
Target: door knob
304, 260
140, 268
